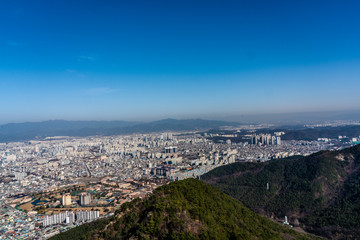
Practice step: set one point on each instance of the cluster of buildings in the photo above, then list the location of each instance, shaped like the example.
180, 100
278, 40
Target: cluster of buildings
335, 123
69, 217
265, 139
15, 224
44, 178
84, 199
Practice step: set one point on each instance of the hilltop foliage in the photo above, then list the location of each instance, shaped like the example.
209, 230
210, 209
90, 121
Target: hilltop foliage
188, 209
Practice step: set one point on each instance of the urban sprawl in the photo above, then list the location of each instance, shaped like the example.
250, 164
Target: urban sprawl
52, 185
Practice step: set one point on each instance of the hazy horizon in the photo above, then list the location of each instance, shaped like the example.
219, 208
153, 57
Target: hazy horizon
280, 118
146, 60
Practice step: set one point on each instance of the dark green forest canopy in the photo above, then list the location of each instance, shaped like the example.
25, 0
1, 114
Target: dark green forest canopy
321, 190
187, 209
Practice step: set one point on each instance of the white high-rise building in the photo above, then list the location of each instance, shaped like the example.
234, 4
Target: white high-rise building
66, 200
64, 217
83, 216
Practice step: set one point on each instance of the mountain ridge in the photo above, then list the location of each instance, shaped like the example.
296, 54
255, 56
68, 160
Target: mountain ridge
320, 190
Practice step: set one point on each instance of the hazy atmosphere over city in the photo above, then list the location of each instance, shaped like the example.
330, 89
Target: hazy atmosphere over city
179, 120
148, 60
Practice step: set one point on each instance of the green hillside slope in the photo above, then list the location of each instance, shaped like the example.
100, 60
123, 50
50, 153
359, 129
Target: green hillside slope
188, 209
321, 190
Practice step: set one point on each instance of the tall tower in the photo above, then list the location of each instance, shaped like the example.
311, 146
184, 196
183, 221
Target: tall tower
262, 139
85, 199
254, 139
66, 199
273, 140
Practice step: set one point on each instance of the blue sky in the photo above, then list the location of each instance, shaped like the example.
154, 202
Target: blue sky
142, 60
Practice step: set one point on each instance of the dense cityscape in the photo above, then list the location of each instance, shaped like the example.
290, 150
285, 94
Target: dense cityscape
51, 185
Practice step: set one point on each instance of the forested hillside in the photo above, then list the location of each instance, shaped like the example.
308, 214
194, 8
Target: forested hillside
321, 191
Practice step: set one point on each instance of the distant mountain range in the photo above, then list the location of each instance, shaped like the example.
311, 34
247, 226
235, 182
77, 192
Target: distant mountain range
321, 192
39, 130
294, 118
183, 210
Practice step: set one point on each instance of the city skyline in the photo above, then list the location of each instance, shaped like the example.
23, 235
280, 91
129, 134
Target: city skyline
145, 61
